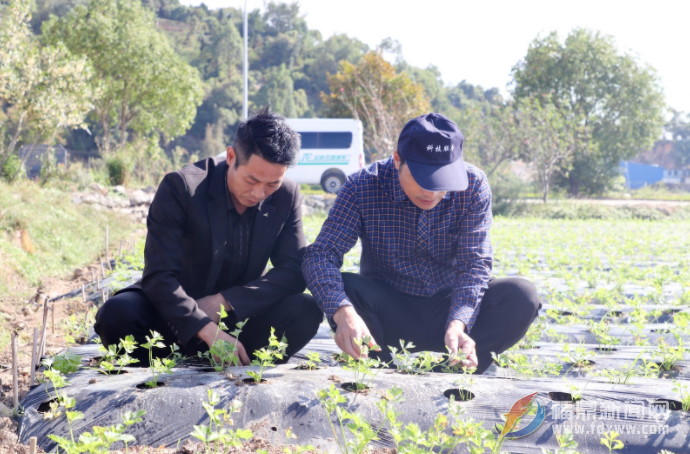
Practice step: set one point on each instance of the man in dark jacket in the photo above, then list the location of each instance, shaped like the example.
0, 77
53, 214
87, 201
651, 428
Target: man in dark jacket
212, 228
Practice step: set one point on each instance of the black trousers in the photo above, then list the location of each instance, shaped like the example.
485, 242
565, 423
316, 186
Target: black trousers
508, 308
130, 312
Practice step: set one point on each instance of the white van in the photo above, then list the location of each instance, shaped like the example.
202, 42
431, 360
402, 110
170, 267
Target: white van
331, 149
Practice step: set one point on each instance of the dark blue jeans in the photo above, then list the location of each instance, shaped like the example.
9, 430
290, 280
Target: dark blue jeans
508, 308
130, 312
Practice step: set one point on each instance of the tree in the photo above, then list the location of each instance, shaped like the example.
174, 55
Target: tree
147, 88
491, 134
617, 98
679, 130
42, 89
383, 99
279, 92
548, 140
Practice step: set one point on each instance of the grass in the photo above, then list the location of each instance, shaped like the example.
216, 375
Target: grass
655, 192
65, 236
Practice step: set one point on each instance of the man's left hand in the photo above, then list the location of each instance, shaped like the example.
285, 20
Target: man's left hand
456, 339
211, 306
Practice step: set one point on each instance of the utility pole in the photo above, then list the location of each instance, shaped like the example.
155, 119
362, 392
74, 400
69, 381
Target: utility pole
245, 105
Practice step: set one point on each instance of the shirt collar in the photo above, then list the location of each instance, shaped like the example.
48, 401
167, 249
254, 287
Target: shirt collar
228, 198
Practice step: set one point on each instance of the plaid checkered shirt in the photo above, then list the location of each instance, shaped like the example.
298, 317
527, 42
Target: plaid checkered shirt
418, 252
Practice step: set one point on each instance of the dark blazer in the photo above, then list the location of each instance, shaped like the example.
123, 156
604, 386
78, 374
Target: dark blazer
186, 240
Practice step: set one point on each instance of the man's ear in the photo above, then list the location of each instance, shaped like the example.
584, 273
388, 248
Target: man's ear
230, 156
396, 160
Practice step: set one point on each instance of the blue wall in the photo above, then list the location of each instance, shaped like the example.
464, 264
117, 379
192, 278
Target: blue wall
639, 175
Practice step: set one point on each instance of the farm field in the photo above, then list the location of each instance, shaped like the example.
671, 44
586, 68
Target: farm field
607, 358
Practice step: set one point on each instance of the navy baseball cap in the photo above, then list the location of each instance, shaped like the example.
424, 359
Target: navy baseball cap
431, 146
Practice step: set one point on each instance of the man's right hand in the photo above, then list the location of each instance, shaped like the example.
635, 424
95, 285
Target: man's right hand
210, 333
350, 327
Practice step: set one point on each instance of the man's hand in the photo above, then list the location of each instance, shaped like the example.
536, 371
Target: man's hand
456, 339
211, 306
350, 327
210, 333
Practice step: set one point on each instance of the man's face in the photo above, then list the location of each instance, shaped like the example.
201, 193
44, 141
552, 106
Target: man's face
253, 181
426, 200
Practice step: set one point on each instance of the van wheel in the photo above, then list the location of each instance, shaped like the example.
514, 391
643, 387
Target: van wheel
332, 181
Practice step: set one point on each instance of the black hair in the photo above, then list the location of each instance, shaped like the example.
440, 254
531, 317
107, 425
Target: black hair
266, 135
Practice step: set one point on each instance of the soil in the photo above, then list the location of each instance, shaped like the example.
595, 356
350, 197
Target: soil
22, 315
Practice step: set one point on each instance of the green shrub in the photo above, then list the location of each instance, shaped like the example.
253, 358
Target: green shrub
11, 169
507, 193
117, 171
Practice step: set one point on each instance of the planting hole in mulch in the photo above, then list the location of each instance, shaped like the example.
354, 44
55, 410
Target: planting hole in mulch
119, 372
605, 349
352, 387
208, 369
338, 357
460, 395
674, 368
672, 404
145, 386
615, 314
274, 429
92, 362
45, 406
250, 381
671, 311
564, 313
305, 367
584, 363
557, 396
661, 330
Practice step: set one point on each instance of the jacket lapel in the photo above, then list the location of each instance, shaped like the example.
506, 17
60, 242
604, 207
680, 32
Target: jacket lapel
265, 217
218, 218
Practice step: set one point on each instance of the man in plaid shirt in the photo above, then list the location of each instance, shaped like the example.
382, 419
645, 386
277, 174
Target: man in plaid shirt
423, 216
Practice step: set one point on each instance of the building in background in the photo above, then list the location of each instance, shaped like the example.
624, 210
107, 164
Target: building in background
34, 155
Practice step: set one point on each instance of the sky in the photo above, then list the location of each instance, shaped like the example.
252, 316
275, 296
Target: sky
480, 41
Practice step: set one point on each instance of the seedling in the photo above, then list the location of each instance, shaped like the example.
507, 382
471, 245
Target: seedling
222, 352
216, 434
294, 449
313, 361
602, 332
578, 356
407, 363
684, 393
546, 368
650, 369
621, 376
670, 355
364, 366
74, 329
465, 383
102, 438
117, 354
160, 366
533, 334
576, 389
67, 363
266, 356
611, 441
566, 442
359, 427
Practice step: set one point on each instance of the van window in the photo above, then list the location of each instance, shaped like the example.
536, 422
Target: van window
327, 140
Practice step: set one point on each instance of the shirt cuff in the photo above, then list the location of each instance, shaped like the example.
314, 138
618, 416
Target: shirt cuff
465, 314
333, 308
